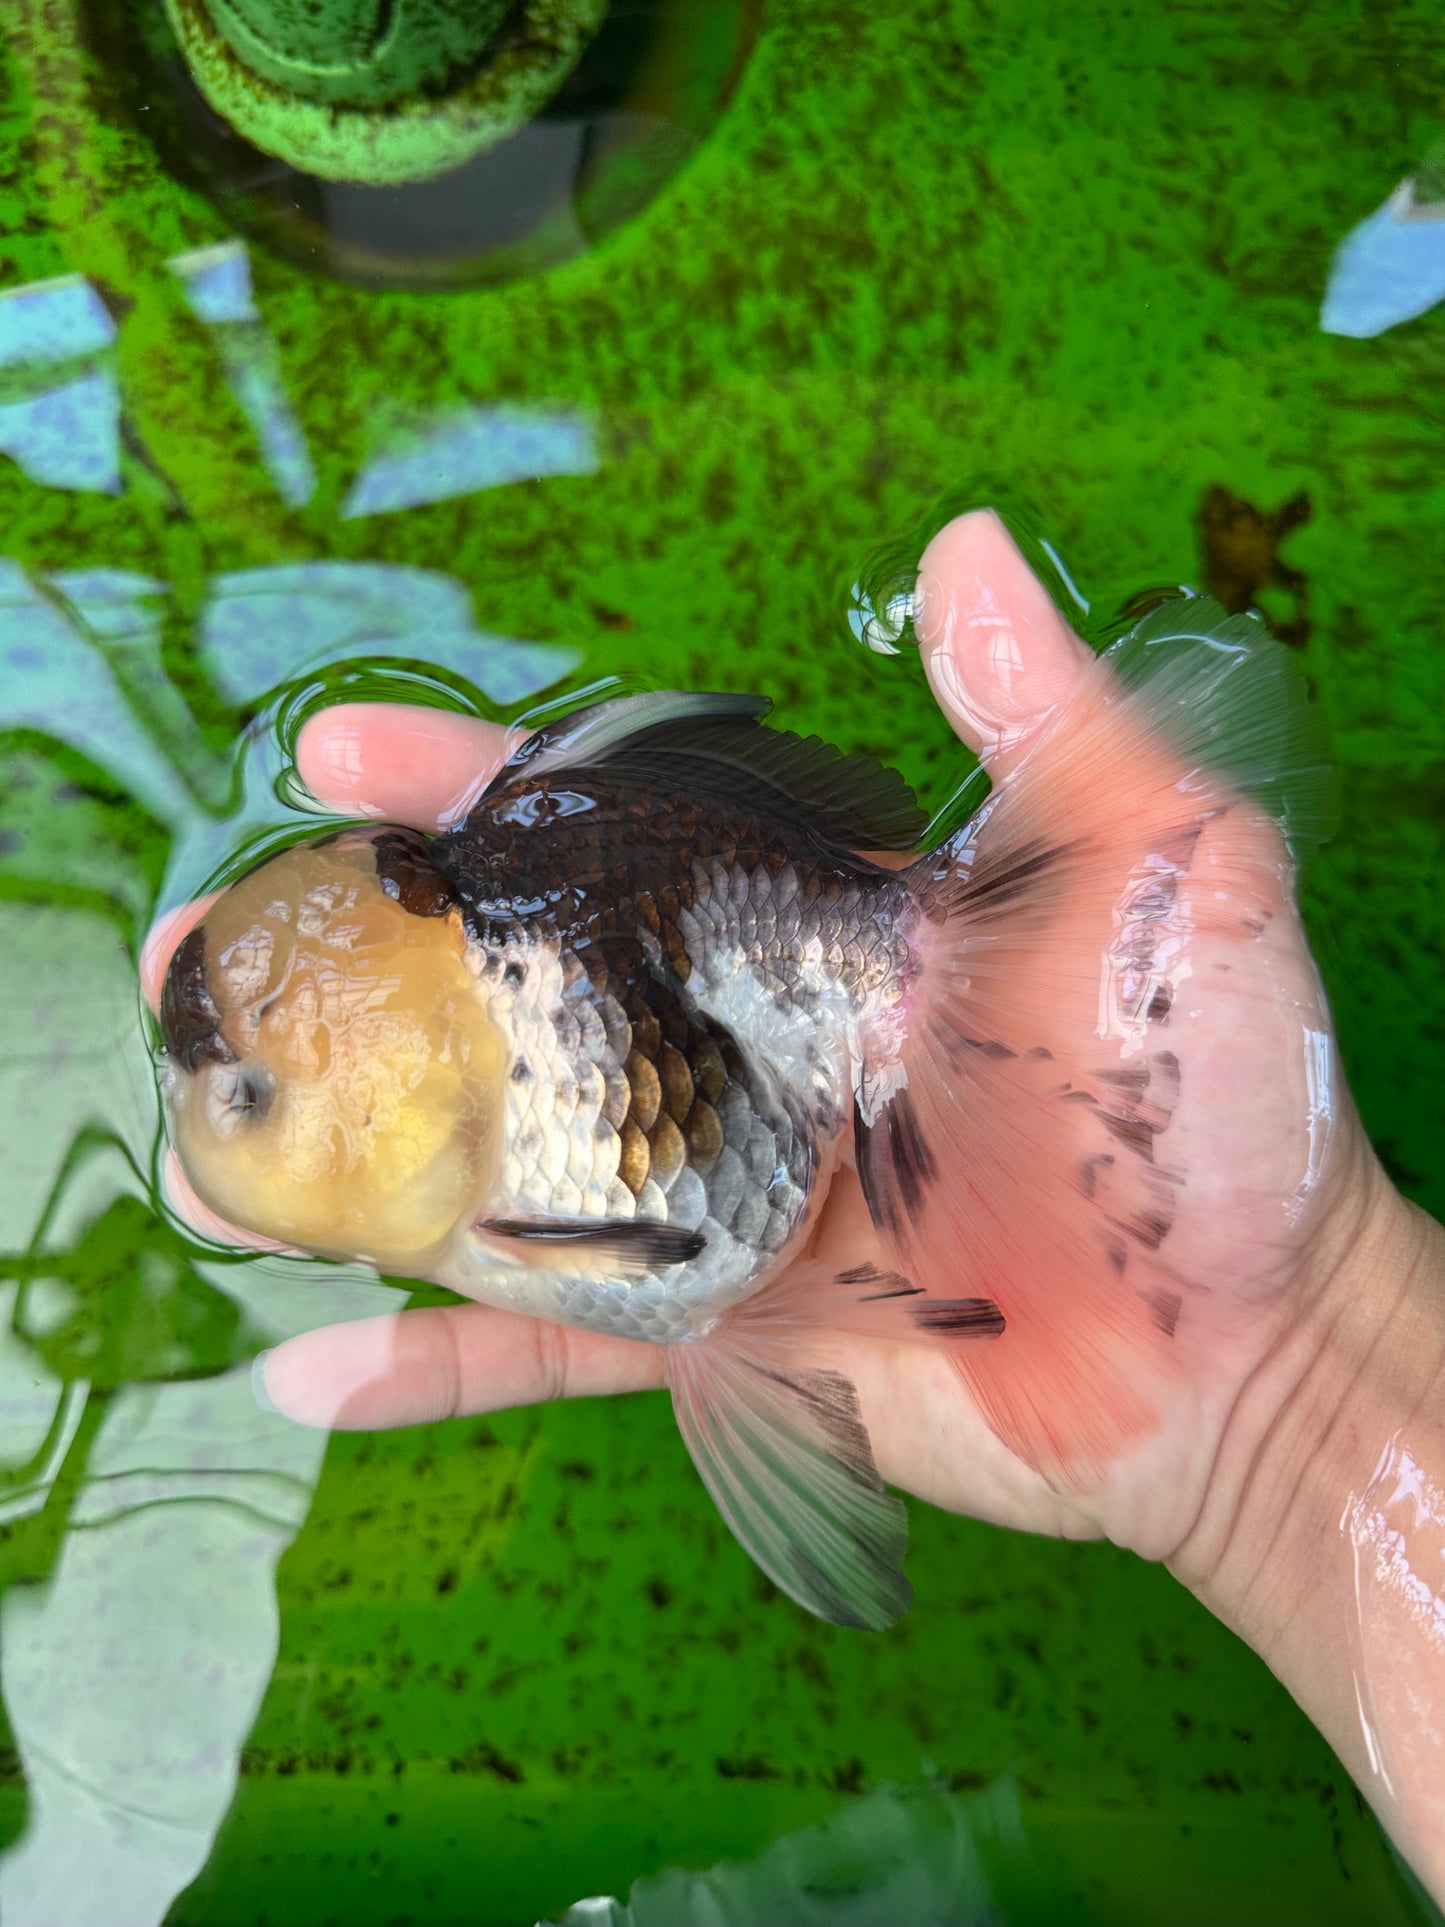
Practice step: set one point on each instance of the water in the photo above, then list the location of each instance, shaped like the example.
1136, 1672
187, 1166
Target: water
479, 1672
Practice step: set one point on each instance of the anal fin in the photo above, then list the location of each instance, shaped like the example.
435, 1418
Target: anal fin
785, 1455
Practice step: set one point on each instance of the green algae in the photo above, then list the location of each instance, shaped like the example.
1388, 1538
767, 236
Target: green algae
519, 1662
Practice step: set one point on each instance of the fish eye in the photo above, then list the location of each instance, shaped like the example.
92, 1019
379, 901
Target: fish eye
238, 1094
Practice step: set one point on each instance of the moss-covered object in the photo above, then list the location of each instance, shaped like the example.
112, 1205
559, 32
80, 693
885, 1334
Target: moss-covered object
380, 94
1081, 251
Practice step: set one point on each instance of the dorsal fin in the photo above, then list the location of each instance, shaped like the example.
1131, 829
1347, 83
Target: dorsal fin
713, 744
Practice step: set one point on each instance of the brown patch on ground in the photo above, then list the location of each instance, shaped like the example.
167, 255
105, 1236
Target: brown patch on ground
1239, 547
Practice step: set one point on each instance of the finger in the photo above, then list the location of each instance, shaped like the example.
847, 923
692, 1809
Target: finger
163, 942
413, 1367
999, 656
399, 762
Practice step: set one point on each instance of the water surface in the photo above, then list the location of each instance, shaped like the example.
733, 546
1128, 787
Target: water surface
478, 1672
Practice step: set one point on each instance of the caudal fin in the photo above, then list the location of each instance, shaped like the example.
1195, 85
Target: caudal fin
1014, 1132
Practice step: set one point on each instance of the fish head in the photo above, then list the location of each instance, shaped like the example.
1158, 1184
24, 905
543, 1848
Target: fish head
334, 1080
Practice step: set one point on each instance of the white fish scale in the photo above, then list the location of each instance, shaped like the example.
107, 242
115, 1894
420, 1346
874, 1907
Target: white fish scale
618, 1029
561, 1154
652, 1202
592, 1032
687, 1199
619, 1201
806, 1047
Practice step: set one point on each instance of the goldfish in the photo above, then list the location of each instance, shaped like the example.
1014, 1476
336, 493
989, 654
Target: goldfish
596, 1053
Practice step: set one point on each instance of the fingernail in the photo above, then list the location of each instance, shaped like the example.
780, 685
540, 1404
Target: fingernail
258, 1385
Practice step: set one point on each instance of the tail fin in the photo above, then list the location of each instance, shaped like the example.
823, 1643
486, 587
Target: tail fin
1014, 1132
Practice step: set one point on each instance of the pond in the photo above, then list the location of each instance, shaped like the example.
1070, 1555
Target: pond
623, 367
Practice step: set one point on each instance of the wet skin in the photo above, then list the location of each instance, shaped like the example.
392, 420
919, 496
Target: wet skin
1284, 1382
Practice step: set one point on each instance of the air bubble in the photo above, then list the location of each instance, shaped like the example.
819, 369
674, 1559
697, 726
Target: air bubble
883, 631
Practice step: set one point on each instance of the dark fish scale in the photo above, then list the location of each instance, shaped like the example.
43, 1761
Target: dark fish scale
646, 1030
635, 1162
704, 1134
646, 1088
644, 889
736, 1115
678, 1090
667, 1151
775, 1233
709, 1071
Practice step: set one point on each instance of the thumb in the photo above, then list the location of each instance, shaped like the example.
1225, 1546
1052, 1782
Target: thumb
998, 655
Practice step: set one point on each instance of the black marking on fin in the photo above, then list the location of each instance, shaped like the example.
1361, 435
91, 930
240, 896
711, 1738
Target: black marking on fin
1089, 1171
633, 1241
1132, 1131
1159, 1004
1126, 1077
956, 1042
832, 1401
992, 887
861, 1275
1147, 1228
1164, 1306
895, 1165
960, 1318
889, 1284
832, 1398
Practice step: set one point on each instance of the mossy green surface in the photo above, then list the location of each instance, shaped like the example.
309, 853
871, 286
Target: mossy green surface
1081, 252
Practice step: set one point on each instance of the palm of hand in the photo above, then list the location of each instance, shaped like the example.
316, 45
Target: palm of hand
1252, 1120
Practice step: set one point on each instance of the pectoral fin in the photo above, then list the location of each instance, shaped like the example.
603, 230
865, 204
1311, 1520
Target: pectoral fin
635, 1244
